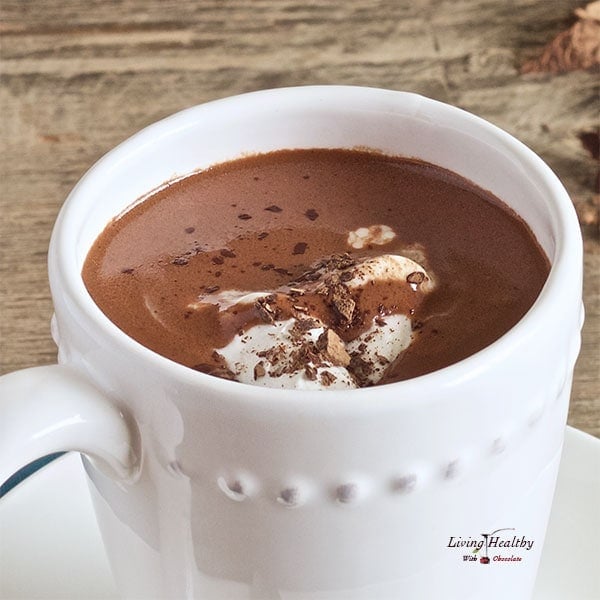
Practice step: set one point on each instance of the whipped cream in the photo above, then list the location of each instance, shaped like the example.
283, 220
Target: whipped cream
304, 337
374, 234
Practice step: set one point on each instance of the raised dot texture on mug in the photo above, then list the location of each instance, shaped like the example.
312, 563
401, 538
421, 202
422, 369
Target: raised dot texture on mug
347, 493
233, 489
291, 497
451, 469
498, 446
403, 484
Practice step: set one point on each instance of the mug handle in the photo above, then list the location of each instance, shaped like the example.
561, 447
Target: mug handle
51, 409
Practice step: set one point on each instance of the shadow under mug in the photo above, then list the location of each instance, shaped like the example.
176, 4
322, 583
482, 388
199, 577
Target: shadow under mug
206, 488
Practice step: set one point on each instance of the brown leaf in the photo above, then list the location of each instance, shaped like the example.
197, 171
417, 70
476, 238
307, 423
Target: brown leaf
573, 49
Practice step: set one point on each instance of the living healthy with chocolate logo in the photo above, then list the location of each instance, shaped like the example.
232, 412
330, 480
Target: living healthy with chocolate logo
498, 546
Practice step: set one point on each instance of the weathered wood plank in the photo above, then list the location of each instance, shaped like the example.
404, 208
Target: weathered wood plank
80, 76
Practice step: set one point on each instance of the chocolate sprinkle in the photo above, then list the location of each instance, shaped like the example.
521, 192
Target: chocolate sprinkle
300, 248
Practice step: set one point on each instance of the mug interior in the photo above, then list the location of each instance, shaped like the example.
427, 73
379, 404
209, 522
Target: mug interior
395, 123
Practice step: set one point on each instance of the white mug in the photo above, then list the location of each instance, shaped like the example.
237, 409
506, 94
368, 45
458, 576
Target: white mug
206, 488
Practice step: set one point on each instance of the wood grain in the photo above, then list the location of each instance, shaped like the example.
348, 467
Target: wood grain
80, 76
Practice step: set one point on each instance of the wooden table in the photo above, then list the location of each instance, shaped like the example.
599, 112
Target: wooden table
79, 76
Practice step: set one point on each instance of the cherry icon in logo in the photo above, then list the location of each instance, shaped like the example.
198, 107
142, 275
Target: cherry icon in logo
484, 560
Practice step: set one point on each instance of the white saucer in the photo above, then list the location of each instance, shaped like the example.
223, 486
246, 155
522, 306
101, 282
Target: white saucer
50, 547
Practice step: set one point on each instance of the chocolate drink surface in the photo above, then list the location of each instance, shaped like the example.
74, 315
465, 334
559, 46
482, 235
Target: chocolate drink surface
317, 268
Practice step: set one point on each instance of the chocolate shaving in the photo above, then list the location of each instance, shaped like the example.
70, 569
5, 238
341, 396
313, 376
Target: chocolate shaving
332, 346
244, 216
309, 276
337, 262
310, 372
217, 260
276, 357
342, 303
381, 359
416, 277
128, 271
259, 370
218, 370
311, 214
327, 378
274, 208
190, 229
263, 235
227, 253
211, 289
301, 326
180, 261
330, 266
215, 371
267, 310
361, 370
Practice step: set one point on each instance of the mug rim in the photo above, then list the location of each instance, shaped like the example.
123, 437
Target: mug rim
568, 248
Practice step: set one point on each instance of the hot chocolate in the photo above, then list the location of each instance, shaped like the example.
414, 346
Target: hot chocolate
317, 268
